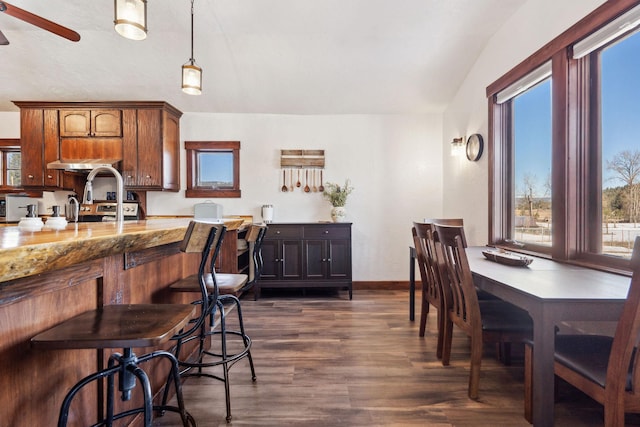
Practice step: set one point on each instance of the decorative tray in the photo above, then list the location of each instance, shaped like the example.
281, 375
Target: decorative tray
507, 258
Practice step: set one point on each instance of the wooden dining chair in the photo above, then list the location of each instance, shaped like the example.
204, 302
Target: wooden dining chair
603, 367
432, 291
494, 321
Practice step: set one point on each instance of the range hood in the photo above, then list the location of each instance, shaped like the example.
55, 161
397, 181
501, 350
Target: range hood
81, 164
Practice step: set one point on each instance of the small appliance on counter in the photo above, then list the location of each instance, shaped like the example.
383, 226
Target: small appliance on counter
13, 207
267, 214
207, 210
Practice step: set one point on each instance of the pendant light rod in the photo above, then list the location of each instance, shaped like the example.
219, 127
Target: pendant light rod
192, 60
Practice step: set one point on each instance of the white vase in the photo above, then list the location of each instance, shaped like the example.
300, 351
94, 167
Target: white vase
338, 213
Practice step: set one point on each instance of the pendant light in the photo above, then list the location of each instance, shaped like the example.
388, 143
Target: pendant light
131, 18
191, 73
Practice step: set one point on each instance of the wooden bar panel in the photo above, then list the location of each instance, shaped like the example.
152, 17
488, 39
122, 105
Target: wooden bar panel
35, 381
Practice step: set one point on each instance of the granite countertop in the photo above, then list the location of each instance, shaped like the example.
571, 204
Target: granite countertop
25, 253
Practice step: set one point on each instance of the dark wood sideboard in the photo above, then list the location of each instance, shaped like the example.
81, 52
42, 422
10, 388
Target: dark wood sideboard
307, 255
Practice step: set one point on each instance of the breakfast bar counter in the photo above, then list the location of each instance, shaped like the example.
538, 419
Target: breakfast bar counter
49, 276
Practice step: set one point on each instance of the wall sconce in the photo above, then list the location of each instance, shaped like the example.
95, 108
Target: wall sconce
131, 19
458, 146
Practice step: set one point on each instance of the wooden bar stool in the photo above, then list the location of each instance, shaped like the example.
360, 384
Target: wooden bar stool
224, 357
126, 327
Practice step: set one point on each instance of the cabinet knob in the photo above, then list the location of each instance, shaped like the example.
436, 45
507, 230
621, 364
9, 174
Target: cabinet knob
148, 176
277, 231
49, 176
326, 231
129, 176
30, 176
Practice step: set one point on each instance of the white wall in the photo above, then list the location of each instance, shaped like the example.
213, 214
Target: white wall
9, 125
394, 163
531, 27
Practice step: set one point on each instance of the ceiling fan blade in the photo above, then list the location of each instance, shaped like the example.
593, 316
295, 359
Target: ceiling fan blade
3, 40
38, 21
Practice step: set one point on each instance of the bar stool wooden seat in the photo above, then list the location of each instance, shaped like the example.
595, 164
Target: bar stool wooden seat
238, 283
126, 327
222, 289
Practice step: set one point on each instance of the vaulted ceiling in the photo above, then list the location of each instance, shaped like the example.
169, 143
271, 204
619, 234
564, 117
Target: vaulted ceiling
258, 56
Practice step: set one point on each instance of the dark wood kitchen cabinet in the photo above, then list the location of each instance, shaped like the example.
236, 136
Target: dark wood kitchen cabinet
151, 143
144, 135
39, 146
90, 123
307, 255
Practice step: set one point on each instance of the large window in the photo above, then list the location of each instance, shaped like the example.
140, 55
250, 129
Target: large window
532, 165
565, 158
619, 92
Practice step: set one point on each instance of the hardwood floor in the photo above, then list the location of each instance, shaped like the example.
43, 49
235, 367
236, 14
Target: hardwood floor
323, 360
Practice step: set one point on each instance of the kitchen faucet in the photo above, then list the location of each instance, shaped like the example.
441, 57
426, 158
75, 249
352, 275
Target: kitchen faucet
88, 189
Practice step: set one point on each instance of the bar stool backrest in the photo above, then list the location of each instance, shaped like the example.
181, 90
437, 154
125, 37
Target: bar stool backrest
205, 238
255, 235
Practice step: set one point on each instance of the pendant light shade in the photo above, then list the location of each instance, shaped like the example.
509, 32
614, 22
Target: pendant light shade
191, 78
191, 73
131, 18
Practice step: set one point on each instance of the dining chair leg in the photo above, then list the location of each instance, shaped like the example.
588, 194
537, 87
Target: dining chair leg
424, 312
528, 383
440, 319
447, 338
474, 374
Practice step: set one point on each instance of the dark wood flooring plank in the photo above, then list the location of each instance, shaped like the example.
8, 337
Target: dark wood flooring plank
323, 360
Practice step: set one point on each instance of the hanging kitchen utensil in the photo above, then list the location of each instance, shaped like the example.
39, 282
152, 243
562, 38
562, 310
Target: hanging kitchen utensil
313, 181
306, 181
321, 188
298, 184
291, 187
284, 181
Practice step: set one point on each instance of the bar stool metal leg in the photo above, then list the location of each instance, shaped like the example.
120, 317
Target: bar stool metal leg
127, 368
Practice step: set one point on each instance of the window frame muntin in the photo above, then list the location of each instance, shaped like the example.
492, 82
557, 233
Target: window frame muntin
193, 148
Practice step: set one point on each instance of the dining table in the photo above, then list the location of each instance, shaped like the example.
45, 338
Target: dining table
553, 293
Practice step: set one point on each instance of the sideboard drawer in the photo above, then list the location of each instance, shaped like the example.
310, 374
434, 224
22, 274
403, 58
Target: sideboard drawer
328, 231
283, 232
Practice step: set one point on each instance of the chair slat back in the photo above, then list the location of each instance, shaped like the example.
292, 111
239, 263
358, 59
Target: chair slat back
464, 306
427, 262
456, 222
626, 338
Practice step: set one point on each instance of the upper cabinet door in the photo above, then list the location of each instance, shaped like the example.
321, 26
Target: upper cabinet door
92, 123
106, 122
